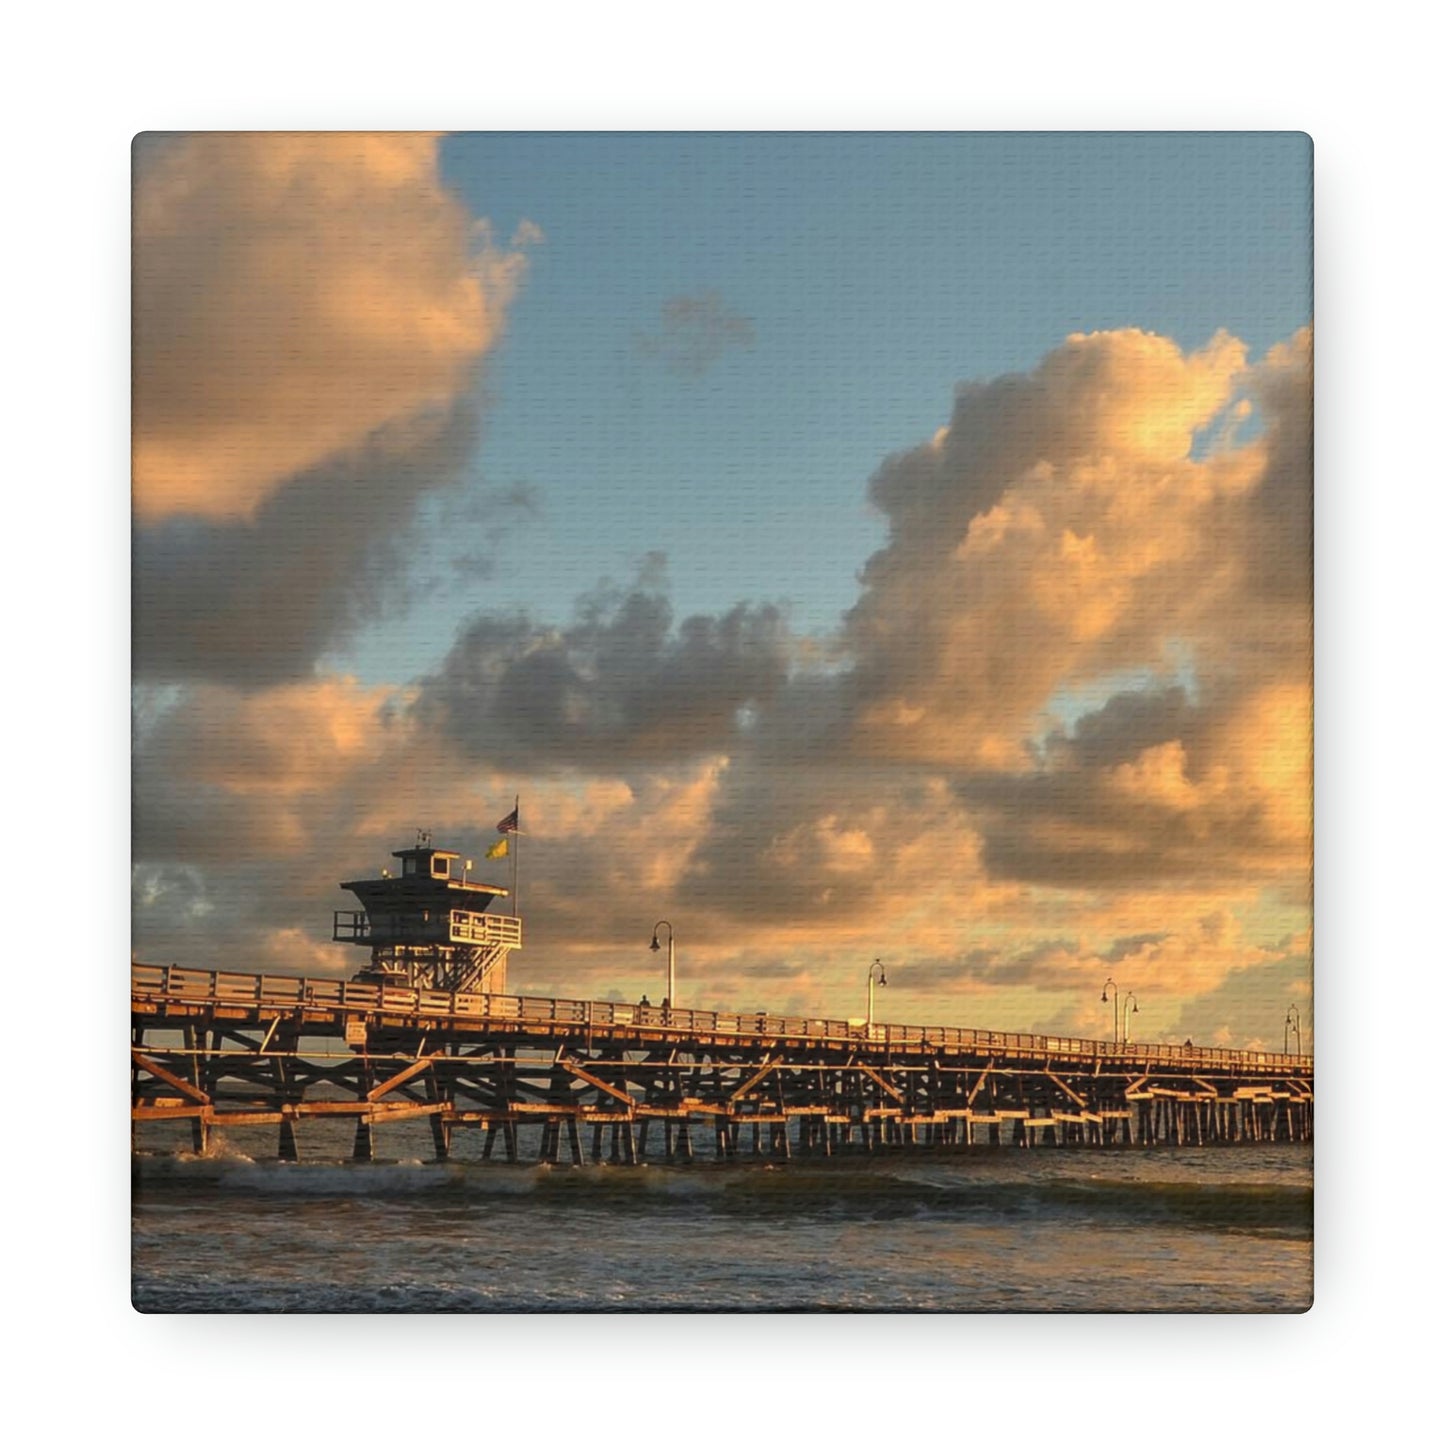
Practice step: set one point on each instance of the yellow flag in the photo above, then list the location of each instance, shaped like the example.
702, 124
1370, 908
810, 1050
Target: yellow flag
498, 849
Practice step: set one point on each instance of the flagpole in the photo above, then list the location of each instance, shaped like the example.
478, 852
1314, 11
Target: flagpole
516, 847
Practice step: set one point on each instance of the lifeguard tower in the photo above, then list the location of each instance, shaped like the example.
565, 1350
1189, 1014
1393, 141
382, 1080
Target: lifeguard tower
429, 927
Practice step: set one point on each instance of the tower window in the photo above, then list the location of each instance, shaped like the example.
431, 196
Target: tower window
440, 868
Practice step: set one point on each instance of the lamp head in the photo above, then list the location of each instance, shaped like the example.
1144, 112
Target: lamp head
1136, 1005
654, 945
1104, 997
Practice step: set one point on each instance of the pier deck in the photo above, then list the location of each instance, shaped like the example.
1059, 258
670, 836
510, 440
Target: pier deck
233, 1050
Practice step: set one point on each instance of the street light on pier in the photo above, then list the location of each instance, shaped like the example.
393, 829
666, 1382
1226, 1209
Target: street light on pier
1128, 998
1104, 998
1291, 1020
670, 998
882, 980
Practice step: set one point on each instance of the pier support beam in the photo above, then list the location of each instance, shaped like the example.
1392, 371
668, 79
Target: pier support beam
441, 1137
286, 1141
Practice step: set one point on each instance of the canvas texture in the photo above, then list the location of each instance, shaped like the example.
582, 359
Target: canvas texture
735, 710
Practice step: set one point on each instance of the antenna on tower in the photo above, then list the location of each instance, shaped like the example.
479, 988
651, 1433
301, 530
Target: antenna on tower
423, 837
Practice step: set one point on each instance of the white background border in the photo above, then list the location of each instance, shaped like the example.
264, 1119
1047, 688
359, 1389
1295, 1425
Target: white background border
1363, 88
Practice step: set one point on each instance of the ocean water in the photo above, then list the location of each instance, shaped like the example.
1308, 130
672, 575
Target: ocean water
1221, 1228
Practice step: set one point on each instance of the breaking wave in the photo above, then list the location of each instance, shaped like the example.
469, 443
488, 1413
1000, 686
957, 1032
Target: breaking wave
838, 1189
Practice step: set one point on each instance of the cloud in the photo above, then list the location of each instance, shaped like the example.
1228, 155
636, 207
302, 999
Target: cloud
1280, 523
1247, 1010
221, 777
1055, 530
1222, 800
799, 854
254, 602
293, 293
694, 333
310, 312
620, 686
1198, 956
1065, 530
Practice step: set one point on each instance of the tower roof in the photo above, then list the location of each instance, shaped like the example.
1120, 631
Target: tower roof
425, 851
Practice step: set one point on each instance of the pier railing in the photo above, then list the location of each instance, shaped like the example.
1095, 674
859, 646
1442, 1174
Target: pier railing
158, 983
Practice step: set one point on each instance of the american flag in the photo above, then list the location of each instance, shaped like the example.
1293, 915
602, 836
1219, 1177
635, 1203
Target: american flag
509, 823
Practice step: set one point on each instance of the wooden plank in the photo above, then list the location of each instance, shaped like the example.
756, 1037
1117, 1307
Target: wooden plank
581, 1073
166, 1077
386, 1113
880, 1081
753, 1082
1058, 1083
420, 1067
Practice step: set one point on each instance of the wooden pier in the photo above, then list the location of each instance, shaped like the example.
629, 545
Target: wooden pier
562, 1080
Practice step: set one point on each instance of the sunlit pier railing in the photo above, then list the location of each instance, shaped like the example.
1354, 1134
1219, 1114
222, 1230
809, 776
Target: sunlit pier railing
160, 984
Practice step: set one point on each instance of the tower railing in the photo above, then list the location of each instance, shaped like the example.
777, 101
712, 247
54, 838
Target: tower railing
485, 929
457, 925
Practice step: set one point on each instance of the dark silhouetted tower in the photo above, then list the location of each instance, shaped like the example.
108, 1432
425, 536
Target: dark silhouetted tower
429, 927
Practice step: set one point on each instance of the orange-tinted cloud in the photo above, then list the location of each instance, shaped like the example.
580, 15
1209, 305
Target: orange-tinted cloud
1057, 529
293, 294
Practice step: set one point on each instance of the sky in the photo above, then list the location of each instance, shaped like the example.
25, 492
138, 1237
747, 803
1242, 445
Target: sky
847, 546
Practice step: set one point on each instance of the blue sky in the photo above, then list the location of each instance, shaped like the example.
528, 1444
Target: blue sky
875, 272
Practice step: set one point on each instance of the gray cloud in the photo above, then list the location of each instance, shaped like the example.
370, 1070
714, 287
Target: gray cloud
694, 333
1126, 725
256, 602
1070, 831
1126, 947
1247, 1010
1280, 521
619, 686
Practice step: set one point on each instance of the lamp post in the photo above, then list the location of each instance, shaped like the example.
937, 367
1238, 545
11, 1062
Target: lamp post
1104, 998
1291, 1018
671, 995
882, 979
1128, 997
